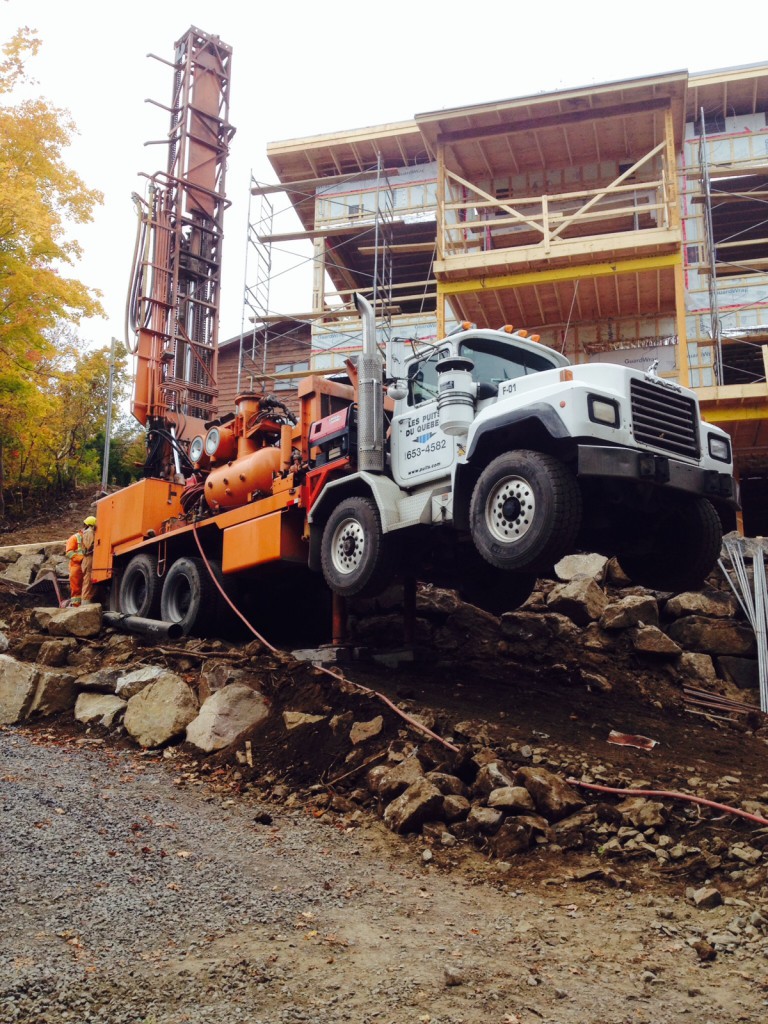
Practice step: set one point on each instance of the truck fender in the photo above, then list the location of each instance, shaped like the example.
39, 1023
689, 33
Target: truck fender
381, 489
527, 425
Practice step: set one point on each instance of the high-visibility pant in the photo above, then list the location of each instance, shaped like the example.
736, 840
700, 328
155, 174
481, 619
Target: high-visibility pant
75, 581
87, 589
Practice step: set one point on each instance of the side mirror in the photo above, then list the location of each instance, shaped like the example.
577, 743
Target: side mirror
397, 391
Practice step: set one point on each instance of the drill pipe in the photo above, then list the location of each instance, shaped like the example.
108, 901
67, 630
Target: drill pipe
147, 627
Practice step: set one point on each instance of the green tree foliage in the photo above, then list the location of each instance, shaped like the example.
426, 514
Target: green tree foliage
40, 197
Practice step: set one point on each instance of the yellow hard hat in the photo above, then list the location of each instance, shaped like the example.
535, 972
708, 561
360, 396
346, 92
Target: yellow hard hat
89, 521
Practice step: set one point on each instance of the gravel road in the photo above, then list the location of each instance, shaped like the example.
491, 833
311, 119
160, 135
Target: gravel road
134, 893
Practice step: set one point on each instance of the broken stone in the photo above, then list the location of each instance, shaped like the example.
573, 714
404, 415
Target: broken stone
697, 666
714, 603
131, 683
581, 600
399, 778
574, 566
651, 640
225, 716
455, 807
630, 611
161, 711
511, 799
707, 897
745, 853
363, 731
215, 674
553, 797
643, 813
492, 776
103, 680
420, 802
299, 719
99, 709
54, 653
447, 784
484, 819
42, 616
83, 621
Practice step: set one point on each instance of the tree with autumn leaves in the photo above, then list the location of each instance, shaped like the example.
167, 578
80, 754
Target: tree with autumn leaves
52, 389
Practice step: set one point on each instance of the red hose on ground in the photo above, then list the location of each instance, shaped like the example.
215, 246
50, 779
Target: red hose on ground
672, 795
338, 676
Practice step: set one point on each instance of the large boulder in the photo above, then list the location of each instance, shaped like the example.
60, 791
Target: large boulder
575, 566
553, 797
18, 683
631, 610
225, 716
24, 569
714, 603
419, 803
161, 711
55, 692
713, 636
81, 621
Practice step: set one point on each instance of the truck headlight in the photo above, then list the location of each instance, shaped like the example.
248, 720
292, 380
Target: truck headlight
603, 411
719, 448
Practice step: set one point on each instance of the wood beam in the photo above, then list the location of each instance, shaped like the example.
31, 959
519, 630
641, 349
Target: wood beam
575, 273
551, 121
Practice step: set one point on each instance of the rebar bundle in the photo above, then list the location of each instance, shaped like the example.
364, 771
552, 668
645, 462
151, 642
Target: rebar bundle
753, 598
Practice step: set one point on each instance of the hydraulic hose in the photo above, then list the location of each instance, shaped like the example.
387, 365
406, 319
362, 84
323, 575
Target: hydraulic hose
671, 795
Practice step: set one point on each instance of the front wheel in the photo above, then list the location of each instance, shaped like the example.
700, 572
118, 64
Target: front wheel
189, 596
679, 550
355, 555
525, 511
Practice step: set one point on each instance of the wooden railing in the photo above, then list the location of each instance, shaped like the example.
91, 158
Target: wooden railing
472, 221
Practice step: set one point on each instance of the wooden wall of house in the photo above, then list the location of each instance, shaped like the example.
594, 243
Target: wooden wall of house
284, 348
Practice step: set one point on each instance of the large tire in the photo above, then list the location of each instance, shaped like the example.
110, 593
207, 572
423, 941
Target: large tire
189, 596
525, 511
356, 557
680, 549
139, 591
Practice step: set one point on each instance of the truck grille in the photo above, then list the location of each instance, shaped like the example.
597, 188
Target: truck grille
662, 418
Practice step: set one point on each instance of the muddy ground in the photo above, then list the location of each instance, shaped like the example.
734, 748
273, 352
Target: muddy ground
296, 903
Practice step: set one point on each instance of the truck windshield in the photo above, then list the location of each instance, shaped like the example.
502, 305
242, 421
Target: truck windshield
496, 360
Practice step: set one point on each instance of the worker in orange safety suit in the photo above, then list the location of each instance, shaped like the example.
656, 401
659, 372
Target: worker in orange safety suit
79, 547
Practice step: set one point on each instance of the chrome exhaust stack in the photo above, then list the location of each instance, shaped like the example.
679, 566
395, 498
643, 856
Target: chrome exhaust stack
370, 396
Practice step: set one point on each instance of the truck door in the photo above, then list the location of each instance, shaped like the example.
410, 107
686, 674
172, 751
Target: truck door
420, 451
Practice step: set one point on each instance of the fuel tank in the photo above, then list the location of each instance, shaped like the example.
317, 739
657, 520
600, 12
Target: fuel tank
232, 485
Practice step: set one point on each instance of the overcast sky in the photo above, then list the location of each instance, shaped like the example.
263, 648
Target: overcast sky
305, 68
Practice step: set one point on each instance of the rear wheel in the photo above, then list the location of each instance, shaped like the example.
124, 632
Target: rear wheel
680, 549
139, 592
189, 596
525, 511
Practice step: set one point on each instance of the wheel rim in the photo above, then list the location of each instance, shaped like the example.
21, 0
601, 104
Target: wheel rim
135, 594
348, 546
510, 509
179, 600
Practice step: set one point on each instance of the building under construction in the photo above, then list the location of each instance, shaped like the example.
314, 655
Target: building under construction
624, 222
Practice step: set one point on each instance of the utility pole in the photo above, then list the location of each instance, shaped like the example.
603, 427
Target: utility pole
108, 427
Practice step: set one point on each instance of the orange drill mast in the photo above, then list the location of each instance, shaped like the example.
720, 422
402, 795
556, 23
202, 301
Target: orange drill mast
174, 294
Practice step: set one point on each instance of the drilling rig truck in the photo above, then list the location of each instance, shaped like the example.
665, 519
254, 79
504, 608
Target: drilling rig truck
476, 463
